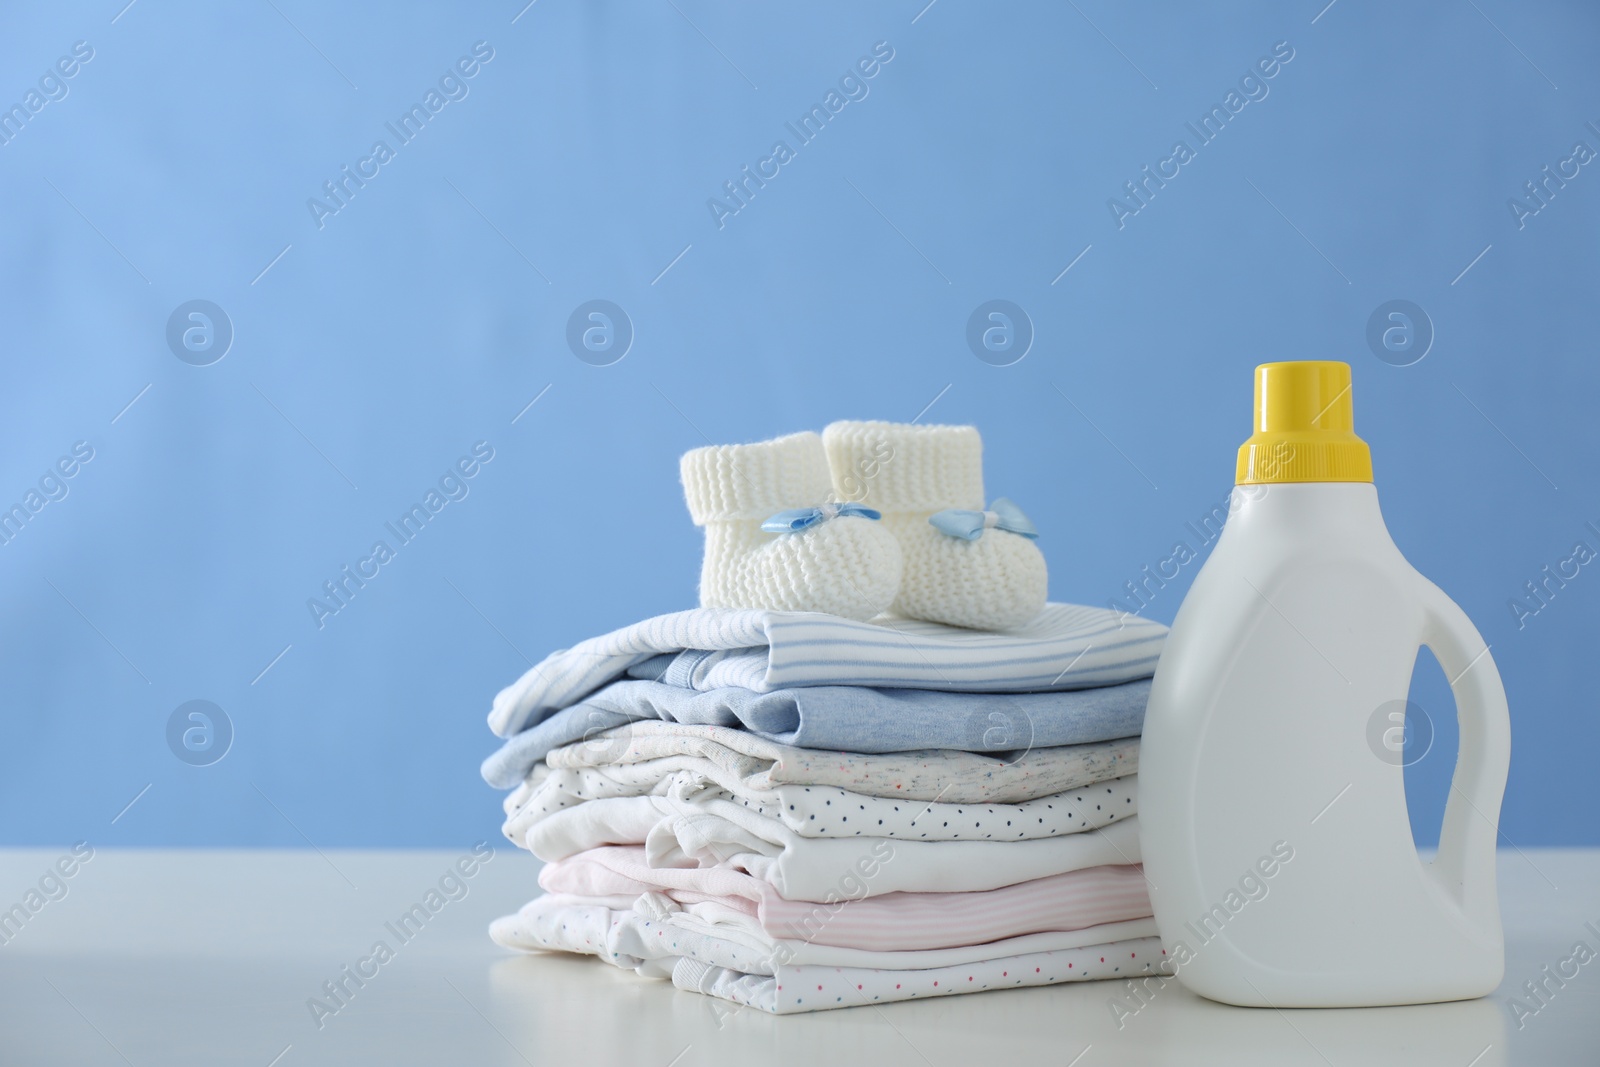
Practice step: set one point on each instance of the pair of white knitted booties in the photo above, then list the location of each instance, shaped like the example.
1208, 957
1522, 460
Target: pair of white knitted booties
868, 517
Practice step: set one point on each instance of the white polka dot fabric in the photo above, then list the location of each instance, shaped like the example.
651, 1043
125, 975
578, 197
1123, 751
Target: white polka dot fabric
794, 990
824, 811
629, 760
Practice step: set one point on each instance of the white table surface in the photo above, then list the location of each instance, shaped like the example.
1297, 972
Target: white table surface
209, 957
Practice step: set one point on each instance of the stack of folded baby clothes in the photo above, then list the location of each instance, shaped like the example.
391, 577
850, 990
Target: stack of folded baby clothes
875, 765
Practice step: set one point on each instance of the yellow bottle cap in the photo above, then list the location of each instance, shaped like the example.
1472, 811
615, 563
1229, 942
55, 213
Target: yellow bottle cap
1304, 428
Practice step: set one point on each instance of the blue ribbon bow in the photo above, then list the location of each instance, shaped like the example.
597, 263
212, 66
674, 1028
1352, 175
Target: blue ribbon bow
969, 525
797, 519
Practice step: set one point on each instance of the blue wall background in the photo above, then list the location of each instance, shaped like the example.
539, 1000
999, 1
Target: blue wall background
372, 351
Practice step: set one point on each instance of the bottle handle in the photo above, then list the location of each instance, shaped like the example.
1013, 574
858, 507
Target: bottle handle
1464, 866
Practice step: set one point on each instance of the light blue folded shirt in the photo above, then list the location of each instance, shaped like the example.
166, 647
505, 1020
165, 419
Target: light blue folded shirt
1068, 646
841, 718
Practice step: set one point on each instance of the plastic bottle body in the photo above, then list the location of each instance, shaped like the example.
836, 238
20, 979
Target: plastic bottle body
1274, 829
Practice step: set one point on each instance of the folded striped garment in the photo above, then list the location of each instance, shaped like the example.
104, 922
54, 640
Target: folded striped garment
891, 922
552, 825
1068, 646
656, 928
656, 939
841, 719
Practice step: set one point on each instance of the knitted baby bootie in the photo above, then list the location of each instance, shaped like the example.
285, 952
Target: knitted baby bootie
964, 566
774, 537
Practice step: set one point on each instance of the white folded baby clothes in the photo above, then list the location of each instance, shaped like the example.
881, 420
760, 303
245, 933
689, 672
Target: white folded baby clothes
823, 870
813, 868
550, 822
711, 816
630, 760
796, 989
776, 539
963, 565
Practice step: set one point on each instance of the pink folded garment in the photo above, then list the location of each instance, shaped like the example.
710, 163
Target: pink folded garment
891, 922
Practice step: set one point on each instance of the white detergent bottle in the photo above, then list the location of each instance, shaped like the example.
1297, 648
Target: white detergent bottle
1272, 803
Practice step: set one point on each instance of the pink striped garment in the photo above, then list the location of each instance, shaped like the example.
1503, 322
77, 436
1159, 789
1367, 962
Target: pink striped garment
892, 922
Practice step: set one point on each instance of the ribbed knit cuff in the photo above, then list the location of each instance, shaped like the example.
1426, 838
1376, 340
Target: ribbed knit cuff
902, 467
722, 482
691, 974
